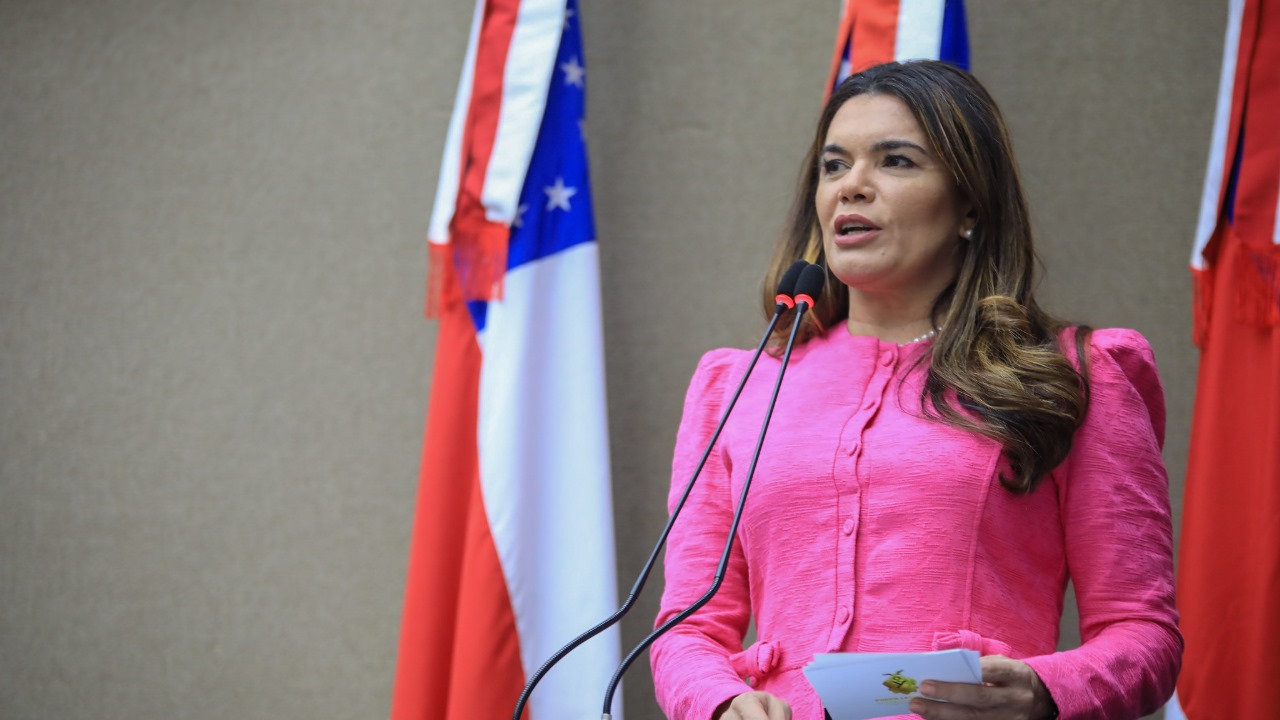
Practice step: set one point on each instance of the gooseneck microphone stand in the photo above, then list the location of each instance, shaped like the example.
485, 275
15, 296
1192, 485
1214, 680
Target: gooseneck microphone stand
786, 287
808, 287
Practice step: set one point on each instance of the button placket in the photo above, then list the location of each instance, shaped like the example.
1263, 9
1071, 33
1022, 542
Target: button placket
846, 558
851, 501
875, 389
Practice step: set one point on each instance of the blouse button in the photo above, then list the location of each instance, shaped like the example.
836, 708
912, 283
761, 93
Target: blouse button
870, 405
842, 615
848, 527
886, 358
855, 447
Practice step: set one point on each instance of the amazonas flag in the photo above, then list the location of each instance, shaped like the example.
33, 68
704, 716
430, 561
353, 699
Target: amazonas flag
1229, 555
879, 31
512, 547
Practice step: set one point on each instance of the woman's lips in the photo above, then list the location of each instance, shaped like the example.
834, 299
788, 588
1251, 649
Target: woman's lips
861, 230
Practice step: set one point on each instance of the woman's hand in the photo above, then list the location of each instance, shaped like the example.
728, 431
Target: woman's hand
1010, 690
754, 706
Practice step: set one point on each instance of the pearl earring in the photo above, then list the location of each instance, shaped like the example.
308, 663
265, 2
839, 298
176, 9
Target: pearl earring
968, 233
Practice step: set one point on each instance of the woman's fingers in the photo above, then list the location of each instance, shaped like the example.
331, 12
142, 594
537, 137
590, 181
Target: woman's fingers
1010, 689
1000, 670
757, 706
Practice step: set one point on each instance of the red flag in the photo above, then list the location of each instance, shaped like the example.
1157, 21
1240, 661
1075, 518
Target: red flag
1229, 565
512, 548
879, 31
459, 649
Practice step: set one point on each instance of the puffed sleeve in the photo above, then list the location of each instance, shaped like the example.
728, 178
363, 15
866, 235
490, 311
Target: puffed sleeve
691, 670
1114, 499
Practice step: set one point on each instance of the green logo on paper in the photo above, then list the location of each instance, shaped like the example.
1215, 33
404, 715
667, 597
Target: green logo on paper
899, 683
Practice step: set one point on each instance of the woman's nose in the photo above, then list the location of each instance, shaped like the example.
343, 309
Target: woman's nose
856, 184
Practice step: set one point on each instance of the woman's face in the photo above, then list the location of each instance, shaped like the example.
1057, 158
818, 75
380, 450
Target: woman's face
891, 215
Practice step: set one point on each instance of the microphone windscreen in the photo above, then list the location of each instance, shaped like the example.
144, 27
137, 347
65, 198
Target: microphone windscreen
787, 285
811, 281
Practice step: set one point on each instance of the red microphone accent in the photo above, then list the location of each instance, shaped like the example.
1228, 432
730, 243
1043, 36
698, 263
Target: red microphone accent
785, 299
802, 298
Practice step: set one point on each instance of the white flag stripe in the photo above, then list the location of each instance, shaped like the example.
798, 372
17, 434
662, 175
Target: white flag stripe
1275, 228
526, 79
451, 162
546, 480
919, 29
1214, 174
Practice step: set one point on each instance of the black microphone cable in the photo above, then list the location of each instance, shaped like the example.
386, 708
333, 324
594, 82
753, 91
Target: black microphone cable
808, 288
783, 302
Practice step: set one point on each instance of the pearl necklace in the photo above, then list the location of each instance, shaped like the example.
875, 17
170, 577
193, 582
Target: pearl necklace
925, 336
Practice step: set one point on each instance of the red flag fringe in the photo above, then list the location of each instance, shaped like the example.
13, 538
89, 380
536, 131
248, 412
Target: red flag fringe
477, 257
1257, 297
1253, 275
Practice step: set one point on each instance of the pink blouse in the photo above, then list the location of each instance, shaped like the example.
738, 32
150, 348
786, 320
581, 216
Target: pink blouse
870, 528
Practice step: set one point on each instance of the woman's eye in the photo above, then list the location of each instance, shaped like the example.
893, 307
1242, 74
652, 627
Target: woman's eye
898, 161
829, 167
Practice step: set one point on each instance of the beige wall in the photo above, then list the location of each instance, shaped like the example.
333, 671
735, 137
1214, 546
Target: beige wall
212, 358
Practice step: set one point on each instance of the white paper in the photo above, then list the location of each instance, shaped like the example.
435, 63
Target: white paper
857, 686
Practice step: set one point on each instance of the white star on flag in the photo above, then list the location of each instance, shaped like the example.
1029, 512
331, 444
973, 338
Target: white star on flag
518, 222
574, 73
558, 195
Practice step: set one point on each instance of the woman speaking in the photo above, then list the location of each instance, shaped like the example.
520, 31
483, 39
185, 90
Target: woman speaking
944, 455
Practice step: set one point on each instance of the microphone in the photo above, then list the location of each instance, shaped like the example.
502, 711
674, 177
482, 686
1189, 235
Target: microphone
783, 302
786, 288
808, 289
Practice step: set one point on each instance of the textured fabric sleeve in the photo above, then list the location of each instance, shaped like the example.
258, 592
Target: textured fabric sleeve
1114, 497
691, 670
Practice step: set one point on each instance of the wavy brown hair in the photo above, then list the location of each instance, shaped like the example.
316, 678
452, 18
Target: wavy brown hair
996, 367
